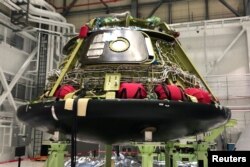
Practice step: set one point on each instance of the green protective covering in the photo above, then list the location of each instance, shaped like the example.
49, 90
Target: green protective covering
56, 155
153, 21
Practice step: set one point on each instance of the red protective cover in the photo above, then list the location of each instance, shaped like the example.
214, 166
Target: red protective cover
201, 95
83, 31
207, 97
64, 90
131, 91
171, 92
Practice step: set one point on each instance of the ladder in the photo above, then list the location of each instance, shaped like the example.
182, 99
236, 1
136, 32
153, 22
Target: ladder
37, 143
42, 64
41, 80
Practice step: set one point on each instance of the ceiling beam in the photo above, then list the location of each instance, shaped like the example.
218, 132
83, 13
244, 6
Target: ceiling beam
247, 7
155, 8
116, 8
106, 6
230, 7
134, 8
206, 10
64, 5
66, 10
170, 17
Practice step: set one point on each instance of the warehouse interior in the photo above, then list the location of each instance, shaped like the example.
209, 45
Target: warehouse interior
215, 35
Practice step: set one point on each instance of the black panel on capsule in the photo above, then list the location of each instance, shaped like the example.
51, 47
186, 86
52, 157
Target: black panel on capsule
114, 46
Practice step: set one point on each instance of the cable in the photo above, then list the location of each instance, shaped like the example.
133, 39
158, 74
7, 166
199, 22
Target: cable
74, 134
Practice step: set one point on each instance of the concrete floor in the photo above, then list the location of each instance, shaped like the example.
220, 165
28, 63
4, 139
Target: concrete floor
25, 163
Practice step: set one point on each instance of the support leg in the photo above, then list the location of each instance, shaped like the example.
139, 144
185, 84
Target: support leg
108, 149
147, 154
168, 154
56, 157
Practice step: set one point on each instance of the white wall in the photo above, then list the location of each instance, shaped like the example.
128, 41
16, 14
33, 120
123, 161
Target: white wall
207, 42
229, 79
11, 58
6, 152
243, 120
7, 155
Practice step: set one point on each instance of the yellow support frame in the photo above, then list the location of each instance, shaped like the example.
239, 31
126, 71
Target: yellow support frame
67, 66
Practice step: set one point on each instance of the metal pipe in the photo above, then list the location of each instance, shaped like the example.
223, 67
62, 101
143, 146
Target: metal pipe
46, 31
14, 6
45, 13
52, 22
89, 4
44, 4
8, 5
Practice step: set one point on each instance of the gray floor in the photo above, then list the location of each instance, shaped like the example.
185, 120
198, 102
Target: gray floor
25, 163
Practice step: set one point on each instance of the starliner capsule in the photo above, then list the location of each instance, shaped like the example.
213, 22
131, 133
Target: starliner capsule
123, 77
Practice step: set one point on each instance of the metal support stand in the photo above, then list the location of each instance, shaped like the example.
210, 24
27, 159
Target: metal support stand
186, 153
147, 148
193, 150
56, 155
201, 153
168, 156
108, 149
147, 152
